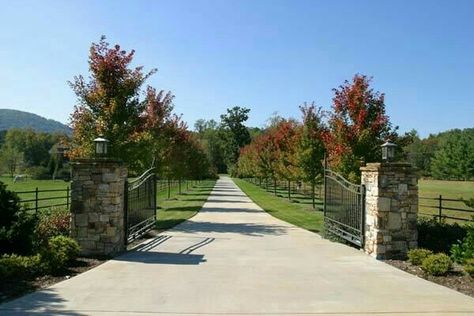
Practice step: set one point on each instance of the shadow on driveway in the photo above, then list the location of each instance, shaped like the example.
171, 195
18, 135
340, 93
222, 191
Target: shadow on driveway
248, 229
46, 301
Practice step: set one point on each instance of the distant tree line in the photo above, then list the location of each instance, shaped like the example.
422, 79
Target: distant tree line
32, 152
447, 156
223, 141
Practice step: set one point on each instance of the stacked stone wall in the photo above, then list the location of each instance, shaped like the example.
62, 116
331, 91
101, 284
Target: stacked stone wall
97, 206
391, 209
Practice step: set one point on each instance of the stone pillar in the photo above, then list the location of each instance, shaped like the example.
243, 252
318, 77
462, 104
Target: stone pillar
391, 209
97, 206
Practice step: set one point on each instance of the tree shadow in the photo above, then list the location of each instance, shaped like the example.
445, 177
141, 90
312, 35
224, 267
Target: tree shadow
157, 257
183, 209
230, 210
147, 253
231, 195
248, 229
210, 200
46, 302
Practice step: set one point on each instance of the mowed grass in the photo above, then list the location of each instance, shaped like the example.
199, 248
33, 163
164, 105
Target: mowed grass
30, 185
448, 190
181, 207
170, 213
297, 214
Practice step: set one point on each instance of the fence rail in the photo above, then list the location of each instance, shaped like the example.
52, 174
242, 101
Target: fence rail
443, 208
37, 199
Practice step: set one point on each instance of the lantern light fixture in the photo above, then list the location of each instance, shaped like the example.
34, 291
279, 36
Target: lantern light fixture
388, 151
101, 146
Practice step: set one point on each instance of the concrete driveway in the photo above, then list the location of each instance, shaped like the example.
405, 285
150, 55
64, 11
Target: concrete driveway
233, 258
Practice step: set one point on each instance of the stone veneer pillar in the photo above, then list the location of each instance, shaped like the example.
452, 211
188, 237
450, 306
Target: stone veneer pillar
97, 206
391, 209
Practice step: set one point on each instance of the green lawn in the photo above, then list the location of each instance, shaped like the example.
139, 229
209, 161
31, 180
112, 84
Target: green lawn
299, 214
448, 190
171, 212
30, 185
181, 207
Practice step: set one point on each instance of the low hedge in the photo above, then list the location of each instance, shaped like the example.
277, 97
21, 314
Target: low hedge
438, 264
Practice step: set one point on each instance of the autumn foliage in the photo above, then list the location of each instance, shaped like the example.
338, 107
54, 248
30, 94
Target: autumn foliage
358, 126
350, 133
143, 132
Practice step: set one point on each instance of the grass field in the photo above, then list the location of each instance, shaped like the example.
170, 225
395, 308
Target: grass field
171, 211
299, 214
30, 185
448, 190
427, 207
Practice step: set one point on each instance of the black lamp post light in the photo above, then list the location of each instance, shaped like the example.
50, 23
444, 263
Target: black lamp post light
101, 146
388, 151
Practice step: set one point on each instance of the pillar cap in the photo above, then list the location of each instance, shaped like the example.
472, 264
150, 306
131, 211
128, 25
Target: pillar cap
96, 161
376, 166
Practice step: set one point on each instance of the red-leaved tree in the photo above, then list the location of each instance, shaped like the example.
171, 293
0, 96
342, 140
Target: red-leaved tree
358, 126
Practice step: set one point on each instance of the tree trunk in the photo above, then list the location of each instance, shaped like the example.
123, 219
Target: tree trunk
179, 186
312, 194
275, 186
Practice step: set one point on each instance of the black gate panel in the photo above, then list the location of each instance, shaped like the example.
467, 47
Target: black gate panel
140, 205
344, 208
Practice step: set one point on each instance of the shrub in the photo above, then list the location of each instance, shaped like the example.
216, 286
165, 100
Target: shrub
469, 266
52, 222
439, 237
438, 264
64, 174
59, 251
16, 225
15, 266
416, 256
464, 249
40, 173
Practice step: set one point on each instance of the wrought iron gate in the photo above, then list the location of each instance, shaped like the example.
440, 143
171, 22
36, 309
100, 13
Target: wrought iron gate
344, 208
140, 205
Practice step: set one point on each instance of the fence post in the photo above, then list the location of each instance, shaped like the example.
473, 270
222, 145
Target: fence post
440, 207
67, 198
36, 200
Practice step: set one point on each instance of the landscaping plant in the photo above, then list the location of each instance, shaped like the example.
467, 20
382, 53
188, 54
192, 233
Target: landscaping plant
16, 224
52, 222
15, 266
439, 236
464, 250
416, 256
438, 264
59, 251
469, 266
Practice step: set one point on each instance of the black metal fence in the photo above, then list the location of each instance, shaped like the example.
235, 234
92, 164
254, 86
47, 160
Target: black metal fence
37, 199
443, 208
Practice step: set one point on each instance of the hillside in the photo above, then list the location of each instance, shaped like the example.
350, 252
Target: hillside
19, 119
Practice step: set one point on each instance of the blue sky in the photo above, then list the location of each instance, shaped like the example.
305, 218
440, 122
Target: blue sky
266, 55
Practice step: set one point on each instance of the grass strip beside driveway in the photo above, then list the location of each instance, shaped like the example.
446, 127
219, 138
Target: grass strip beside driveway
181, 207
292, 213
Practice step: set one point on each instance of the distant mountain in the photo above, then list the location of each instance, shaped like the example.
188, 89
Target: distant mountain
19, 119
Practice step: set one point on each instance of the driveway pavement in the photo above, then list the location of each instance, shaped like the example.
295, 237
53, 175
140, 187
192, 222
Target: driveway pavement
233, 258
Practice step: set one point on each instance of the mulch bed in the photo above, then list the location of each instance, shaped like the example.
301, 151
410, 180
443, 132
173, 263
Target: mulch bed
10, 289
456, 279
